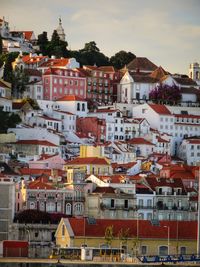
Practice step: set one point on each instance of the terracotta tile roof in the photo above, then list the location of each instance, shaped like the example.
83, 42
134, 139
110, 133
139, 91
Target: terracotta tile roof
108, 69
160, 109
48, 118
186, 229
33, 59
124, 165
46, 156
194, 141
143, 79
17, 105
57, 62
35, 142
142, 64
40, 184
161, 140
189, 116
106, 110
28, 35
139, 140
37, 172
108, 190
190, 90
89, 160
159, 73
64, 112
70, 98
159, 182
115, 178
184, 81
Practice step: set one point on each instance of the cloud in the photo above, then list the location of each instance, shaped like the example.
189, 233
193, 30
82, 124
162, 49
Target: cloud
166, 32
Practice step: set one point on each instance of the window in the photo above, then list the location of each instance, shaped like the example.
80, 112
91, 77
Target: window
163, 251
183, 250
112, 203
83, 107
63, 230
149, 203
78, 106
140, 203
126, 203
143, 250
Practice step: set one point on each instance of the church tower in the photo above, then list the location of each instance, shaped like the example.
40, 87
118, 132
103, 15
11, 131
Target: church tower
194, 72
60, 31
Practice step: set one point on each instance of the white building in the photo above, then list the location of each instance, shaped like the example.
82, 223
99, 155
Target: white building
68, 120
135, 87
194, 72
189, 151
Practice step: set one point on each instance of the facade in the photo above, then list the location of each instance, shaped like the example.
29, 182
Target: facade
58, 83
144, 238
189, 151
92, 126
7, 205
101, 83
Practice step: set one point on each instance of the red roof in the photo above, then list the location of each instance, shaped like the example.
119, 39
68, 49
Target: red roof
57, 62
160, 109
89, 160
161, 140
35, 142
48, 118
186, 229
194, 141
28, 34
187, 116
139, 140
5, 84
37, 172
159, 182
41, 183
108, 190
71, 98
105, 110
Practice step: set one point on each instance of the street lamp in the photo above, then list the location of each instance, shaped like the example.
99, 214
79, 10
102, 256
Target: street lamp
168, 236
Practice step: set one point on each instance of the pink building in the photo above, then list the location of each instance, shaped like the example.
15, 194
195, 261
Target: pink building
59, 82
94, 126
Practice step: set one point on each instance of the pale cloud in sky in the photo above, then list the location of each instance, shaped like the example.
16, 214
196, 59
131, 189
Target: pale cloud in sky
166, 32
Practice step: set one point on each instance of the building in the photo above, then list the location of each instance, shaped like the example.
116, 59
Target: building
59, 83
60, 31
7, 205
92, 126
194, 72
5, 96
144, 237
189, 151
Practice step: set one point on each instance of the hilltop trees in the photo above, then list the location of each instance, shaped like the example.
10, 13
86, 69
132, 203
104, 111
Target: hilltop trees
120, 59
8, 120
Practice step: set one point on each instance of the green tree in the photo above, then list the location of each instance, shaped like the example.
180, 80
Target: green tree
120, 59
43, 43
8, 120
1, 45
109, 235
91, 55
8, 66
19, 80
123, 236
56, 46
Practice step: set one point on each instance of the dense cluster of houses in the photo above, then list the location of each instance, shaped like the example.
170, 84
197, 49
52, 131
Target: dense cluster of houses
95, 146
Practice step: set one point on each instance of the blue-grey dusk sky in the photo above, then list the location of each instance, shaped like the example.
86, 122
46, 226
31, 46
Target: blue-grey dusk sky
166, 32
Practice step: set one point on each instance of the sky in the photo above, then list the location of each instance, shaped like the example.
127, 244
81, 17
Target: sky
167, 32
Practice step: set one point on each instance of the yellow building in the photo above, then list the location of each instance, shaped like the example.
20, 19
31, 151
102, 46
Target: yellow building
137, 237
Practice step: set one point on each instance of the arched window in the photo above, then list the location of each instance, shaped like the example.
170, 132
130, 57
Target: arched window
32, 205
163, 250
78, 106
83, 107
78, 208
68, 209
